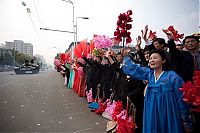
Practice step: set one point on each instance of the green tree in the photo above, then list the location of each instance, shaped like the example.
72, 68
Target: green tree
20, 57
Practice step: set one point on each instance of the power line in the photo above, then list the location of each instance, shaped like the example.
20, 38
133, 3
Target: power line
32, 22
37, 13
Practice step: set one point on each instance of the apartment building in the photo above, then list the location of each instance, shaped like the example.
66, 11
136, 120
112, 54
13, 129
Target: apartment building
20, 46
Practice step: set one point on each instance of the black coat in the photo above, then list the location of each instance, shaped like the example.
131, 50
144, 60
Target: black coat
107, 73
95, 75
89, 74
120, 84
183, 61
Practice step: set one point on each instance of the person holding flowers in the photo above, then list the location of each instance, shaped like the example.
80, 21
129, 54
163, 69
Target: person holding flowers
164, 109
188, 64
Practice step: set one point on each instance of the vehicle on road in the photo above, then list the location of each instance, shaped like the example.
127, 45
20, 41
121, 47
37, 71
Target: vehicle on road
30, 69
27, 68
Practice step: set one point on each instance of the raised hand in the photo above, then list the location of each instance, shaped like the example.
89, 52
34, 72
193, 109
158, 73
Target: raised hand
139, 40
107, 53
144, 33
169, 34
138, 45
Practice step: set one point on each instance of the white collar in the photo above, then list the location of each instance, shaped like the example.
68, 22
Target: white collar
158, 76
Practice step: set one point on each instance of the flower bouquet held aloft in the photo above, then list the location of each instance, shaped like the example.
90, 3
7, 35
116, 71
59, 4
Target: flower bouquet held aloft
102, 42
191, 92
152, 35
171, 31
122, 32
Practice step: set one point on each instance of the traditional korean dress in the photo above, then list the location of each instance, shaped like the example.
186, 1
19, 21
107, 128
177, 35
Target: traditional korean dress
71, 79
164, 109
76, 80
82, 83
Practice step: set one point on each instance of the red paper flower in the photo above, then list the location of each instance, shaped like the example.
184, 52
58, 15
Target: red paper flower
128, 40
174, 32
152, 35
117, 110
191, 92
123, 26
63, 58
128, 26
102, 107
129, 12
125, 126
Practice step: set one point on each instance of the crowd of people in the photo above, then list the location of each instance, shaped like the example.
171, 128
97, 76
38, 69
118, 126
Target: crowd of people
149, 77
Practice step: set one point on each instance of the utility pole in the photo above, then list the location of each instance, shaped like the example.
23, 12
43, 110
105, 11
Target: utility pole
14, 56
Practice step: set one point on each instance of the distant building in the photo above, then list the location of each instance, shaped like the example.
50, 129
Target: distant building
116, 48
20, 46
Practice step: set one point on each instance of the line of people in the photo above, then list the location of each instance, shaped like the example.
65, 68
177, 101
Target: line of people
150, 77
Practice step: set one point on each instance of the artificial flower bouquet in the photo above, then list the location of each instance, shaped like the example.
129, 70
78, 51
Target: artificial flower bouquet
191, 92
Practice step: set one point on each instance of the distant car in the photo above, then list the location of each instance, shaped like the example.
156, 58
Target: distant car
27, 69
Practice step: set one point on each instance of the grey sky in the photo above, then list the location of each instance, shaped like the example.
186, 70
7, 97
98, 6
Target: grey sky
17, 24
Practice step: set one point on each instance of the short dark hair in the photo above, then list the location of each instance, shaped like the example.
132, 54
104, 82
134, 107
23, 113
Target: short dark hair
179, 44
163, 56
191, 36
145, 48
119, 53
160, 52
160, 41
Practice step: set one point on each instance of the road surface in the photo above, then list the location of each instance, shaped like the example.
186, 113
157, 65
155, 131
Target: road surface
41, 103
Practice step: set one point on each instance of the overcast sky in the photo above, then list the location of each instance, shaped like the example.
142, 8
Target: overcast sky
17, 24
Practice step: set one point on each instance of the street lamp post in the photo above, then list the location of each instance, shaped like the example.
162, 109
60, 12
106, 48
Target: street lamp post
77, 26
56, 30
14, 57
69, 1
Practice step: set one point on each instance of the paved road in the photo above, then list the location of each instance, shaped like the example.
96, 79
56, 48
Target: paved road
41, 103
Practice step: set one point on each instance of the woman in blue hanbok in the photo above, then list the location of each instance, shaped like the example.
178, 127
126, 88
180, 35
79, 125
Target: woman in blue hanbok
164, 109
71, 77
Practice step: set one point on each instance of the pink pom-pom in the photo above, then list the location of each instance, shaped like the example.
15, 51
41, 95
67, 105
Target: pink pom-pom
110, 109
102, 41
89, 96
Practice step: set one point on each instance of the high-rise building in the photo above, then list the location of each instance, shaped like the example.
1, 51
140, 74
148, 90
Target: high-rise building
21, 47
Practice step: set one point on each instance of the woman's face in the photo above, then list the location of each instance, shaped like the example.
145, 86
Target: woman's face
156, 61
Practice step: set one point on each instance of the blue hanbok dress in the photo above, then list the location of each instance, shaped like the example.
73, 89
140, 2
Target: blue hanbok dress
164, 109
71, 77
